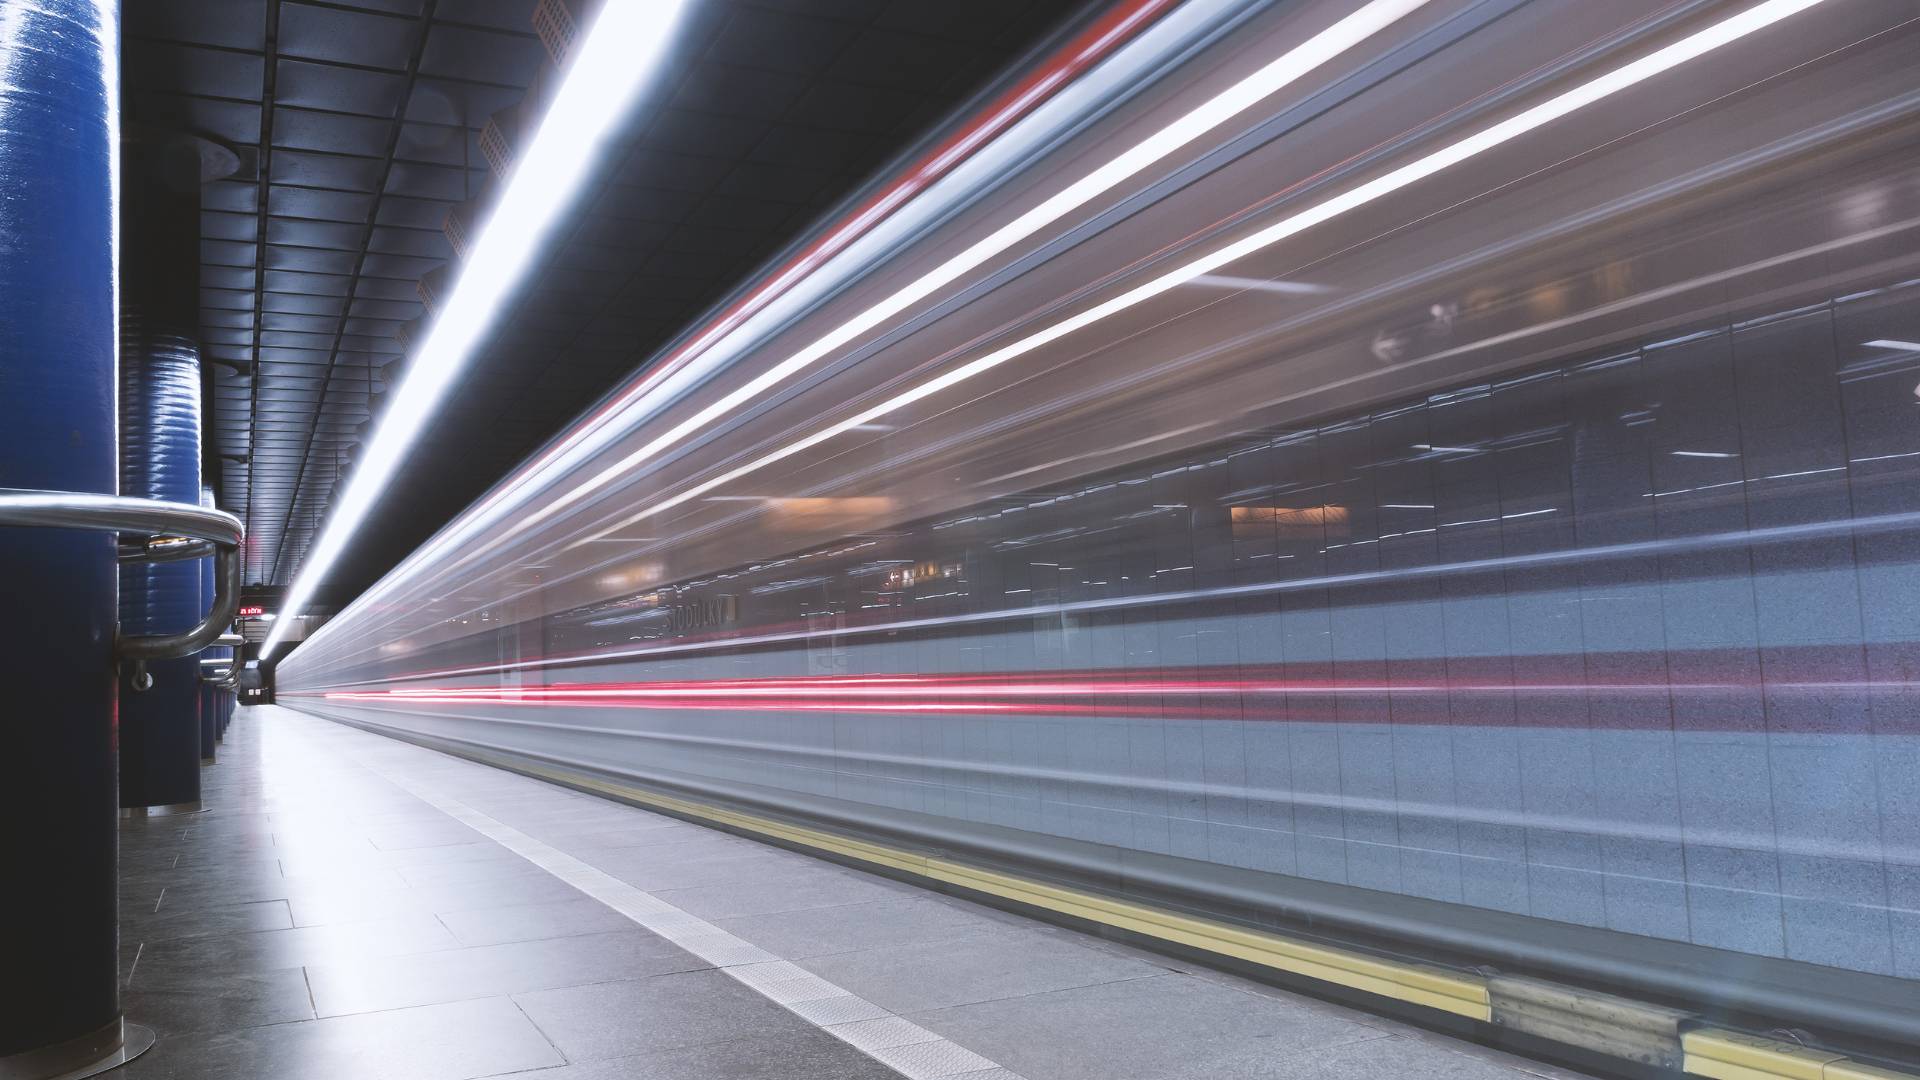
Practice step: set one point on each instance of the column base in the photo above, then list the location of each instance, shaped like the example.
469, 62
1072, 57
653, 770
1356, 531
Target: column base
167, 810
105, 1048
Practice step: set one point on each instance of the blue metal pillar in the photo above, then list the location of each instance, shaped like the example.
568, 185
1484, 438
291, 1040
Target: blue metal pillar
207, 696
59, 995
160, 399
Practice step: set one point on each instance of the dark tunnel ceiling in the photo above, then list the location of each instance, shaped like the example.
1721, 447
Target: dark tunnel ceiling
359, 126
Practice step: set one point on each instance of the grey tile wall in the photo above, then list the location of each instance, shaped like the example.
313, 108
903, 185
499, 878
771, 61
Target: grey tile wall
1703, 725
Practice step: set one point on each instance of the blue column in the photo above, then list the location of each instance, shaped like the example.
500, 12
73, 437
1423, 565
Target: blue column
160, 457
59, 997
208, 696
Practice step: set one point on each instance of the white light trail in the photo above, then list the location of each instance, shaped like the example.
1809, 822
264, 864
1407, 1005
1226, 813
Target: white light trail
1270, 79
1587, 93
1290, 288
617, 61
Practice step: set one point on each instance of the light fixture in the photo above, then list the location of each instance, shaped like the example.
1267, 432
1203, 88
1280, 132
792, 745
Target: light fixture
1694, 45
618, 59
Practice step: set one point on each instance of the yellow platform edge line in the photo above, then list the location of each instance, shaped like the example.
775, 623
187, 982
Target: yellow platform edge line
1736, 1055
1709, 1052
1433, 987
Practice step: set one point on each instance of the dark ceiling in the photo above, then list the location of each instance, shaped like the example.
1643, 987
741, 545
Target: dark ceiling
360, 125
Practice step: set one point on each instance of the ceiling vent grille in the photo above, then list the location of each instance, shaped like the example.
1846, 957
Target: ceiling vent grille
462, 225
408, 332
558, 23
433, 286
499, 137
507, 129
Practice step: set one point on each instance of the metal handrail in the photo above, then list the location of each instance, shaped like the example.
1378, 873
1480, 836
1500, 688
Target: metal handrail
146, 517
118, 513
160, 549
228, 675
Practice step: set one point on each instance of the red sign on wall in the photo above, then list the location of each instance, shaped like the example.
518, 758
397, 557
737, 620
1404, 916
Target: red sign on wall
251, 610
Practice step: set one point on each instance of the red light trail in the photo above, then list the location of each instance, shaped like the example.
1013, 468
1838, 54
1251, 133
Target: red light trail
1171, 694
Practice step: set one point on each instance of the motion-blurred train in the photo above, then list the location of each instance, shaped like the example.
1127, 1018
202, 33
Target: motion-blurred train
1438, 476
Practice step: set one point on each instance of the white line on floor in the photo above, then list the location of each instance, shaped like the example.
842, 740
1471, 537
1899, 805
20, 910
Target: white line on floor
894, 1041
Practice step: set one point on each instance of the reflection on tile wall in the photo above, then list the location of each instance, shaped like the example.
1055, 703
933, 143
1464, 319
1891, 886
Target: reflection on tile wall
1631, 641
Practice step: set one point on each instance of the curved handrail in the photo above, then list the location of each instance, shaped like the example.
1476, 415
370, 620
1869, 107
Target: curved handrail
227, 673
158, 549
149, 517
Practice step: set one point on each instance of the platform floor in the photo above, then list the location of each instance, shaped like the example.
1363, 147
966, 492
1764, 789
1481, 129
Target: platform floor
356, 907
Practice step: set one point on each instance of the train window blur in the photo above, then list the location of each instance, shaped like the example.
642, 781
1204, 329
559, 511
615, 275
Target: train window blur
1569, 644
1530, 556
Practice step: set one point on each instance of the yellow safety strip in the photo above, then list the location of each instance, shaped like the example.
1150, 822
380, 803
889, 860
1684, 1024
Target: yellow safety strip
1724, 1055
1434, 987
1735, 1055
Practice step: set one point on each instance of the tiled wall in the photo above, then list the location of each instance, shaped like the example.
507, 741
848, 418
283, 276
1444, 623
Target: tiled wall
1700, 725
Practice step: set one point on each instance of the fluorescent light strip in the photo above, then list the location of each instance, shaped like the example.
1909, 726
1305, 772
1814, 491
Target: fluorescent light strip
1273, 77
1721, 33
876, 231
618, 58
998, 157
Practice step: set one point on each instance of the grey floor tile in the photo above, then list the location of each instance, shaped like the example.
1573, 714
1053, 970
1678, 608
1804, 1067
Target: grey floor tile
605, 838
438, 1042
822, 931
471, 874
978, 967
533, 922
403, 811
190, 858
1170, 1027
352, 860
535, 889
667, 1012
657, 869
219, 1001
427, 951
809, 1056
348, 906
299, 947
797, 888
196, 889
1505, 1064
340, 878
490, 970
426, 833
184, 921
254, 874
1390, 1058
